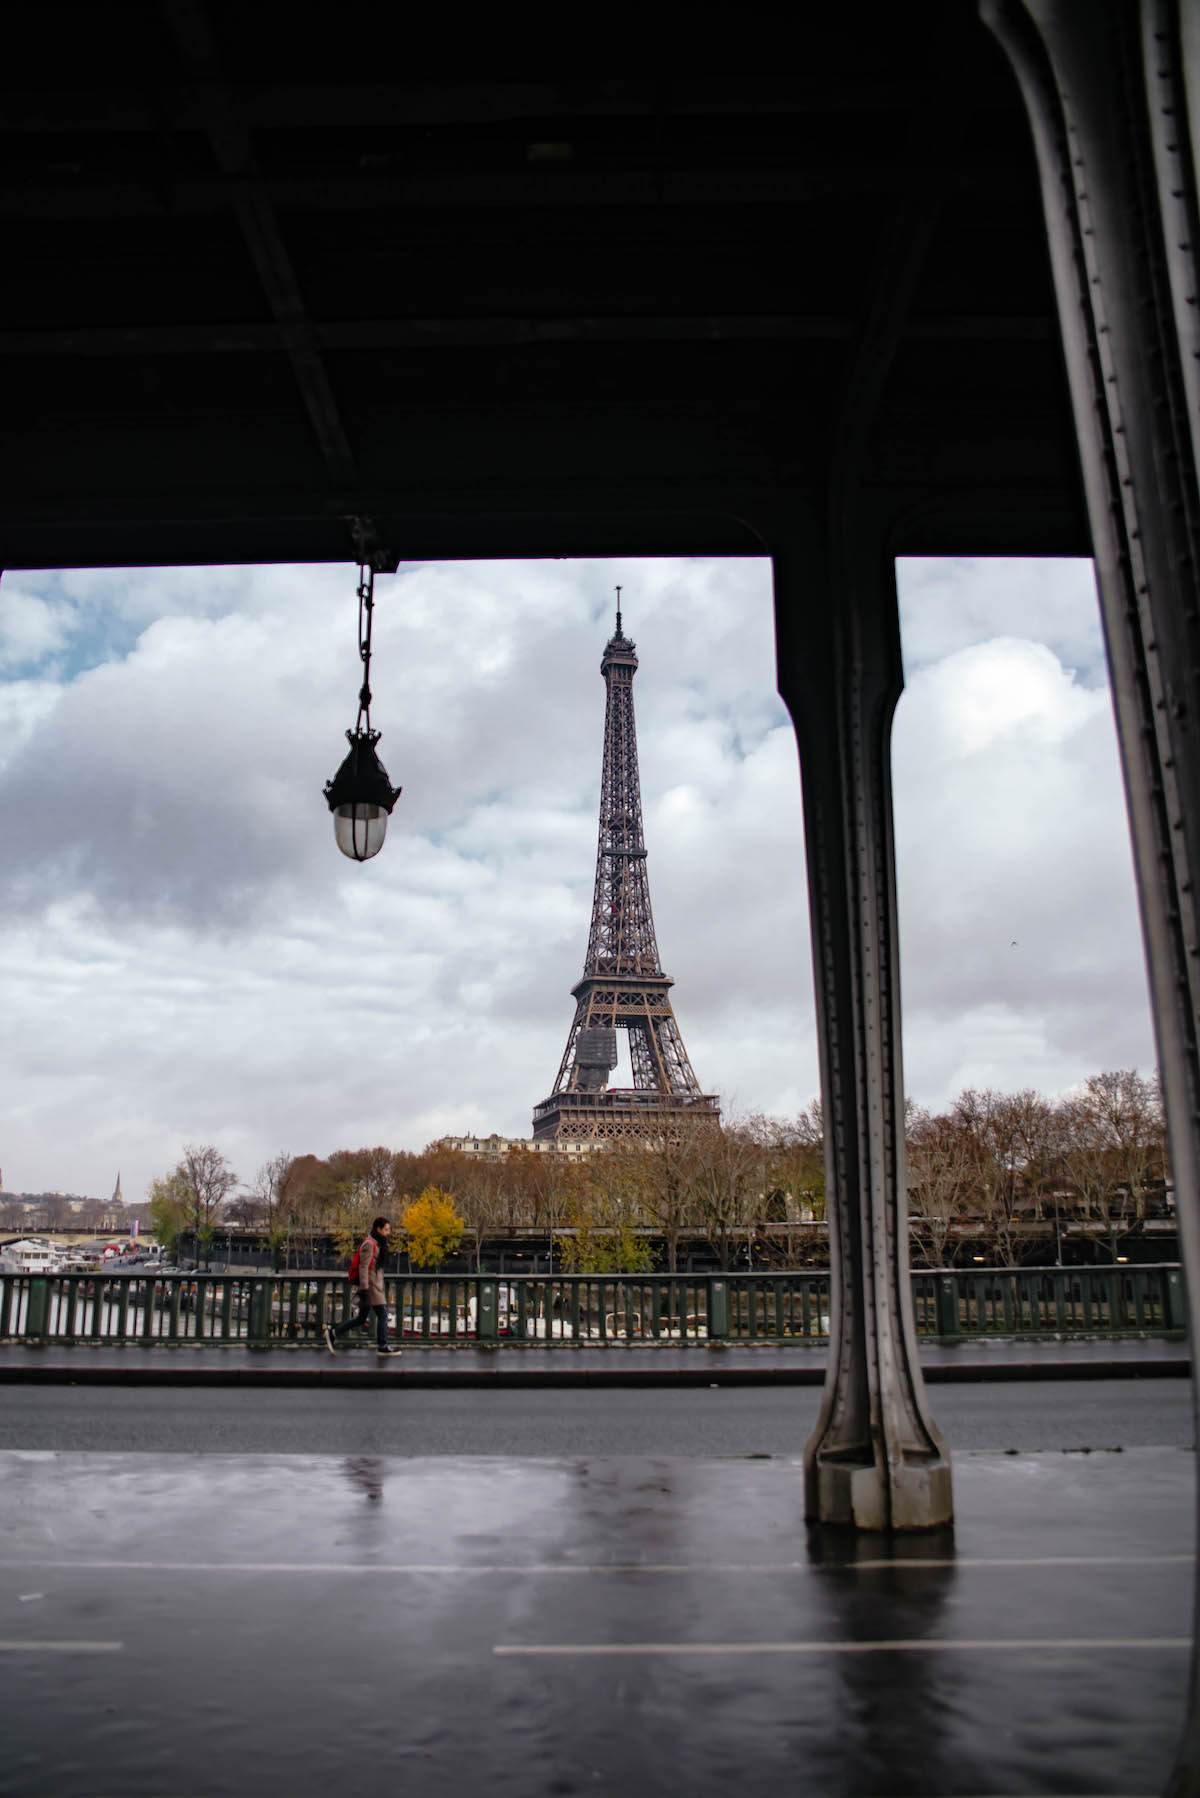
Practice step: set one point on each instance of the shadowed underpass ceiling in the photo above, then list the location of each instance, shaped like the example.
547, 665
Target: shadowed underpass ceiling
264, 277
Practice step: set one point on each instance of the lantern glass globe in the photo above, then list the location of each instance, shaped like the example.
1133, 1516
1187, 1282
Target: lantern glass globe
359, 830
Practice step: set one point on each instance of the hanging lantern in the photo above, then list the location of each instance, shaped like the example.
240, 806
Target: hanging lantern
360, 795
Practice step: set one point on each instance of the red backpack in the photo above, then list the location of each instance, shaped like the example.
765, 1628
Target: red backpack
352, 1270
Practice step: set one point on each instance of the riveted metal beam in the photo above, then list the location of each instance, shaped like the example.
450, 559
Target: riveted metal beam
231, 143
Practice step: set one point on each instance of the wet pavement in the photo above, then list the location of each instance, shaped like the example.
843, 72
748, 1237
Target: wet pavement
712, 1421
442, 1366
616, 1624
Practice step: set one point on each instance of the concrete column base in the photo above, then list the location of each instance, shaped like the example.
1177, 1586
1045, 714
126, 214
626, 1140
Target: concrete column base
914, 1494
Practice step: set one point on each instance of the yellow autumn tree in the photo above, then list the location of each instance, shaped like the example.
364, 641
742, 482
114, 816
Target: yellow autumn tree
433, 1227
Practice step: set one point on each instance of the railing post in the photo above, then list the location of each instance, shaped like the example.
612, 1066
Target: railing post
1007, 1283
718, 1310
260, 1314
148, 1312
37, 1312
66, 1297
1174, 1300
947, 1305
1060, 1302
488, 1324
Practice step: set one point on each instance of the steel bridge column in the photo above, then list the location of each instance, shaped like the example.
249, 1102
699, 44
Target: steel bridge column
876, 1460
1112, 88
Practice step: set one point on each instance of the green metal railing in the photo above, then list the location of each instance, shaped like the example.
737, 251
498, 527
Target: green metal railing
1054, 1301
559, 1310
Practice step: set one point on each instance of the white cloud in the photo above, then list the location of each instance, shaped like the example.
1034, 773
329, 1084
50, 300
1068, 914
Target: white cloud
186, 957
951, 602
32, 628
24, 705
1021, 949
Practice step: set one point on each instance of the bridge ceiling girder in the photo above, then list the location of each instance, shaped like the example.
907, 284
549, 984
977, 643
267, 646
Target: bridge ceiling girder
252, 290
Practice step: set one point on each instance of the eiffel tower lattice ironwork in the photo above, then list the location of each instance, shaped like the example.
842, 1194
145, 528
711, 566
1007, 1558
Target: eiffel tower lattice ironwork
623, 985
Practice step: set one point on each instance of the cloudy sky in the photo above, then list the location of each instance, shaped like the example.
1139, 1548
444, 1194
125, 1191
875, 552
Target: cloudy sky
186, 957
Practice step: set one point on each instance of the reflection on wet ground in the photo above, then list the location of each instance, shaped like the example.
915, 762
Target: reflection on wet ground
630, 1625
365, 1473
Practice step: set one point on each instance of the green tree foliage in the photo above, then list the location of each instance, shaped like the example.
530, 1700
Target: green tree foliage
603, 1215
170, 1210
432, 1227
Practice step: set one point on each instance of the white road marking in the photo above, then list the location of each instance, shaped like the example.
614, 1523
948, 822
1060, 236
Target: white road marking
682, 1568
27, 1647
900, 1645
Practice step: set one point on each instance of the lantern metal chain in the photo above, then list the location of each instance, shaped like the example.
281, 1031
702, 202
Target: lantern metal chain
366, 606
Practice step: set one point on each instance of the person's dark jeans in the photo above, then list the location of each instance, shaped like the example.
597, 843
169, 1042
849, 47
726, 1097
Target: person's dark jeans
360, 1322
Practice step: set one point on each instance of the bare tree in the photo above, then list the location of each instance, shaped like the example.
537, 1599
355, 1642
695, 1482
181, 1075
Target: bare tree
992, 1122
58, 1211
942, 1171
534, 1187
244, 1211
208, 1180
264, 1206
481, 1188
793, 1175
655, 1180
725, 1179
369, 1174
1115, 1148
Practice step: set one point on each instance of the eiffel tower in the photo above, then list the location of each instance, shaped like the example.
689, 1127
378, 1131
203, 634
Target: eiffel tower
623, 985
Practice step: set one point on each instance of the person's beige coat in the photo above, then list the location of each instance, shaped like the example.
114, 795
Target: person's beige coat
370, 1271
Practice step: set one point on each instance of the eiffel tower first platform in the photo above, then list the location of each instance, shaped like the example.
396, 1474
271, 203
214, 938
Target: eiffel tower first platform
623, 985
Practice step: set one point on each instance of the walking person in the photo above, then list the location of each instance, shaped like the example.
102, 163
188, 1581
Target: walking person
372, 1251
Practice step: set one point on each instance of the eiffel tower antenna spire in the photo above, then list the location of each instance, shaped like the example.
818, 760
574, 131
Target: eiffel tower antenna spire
623, 985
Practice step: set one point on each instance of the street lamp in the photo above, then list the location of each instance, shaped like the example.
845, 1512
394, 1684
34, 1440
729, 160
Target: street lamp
360, 795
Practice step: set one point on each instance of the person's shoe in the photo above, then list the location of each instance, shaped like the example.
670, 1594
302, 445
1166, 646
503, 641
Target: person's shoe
389, 1350
330, 1339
